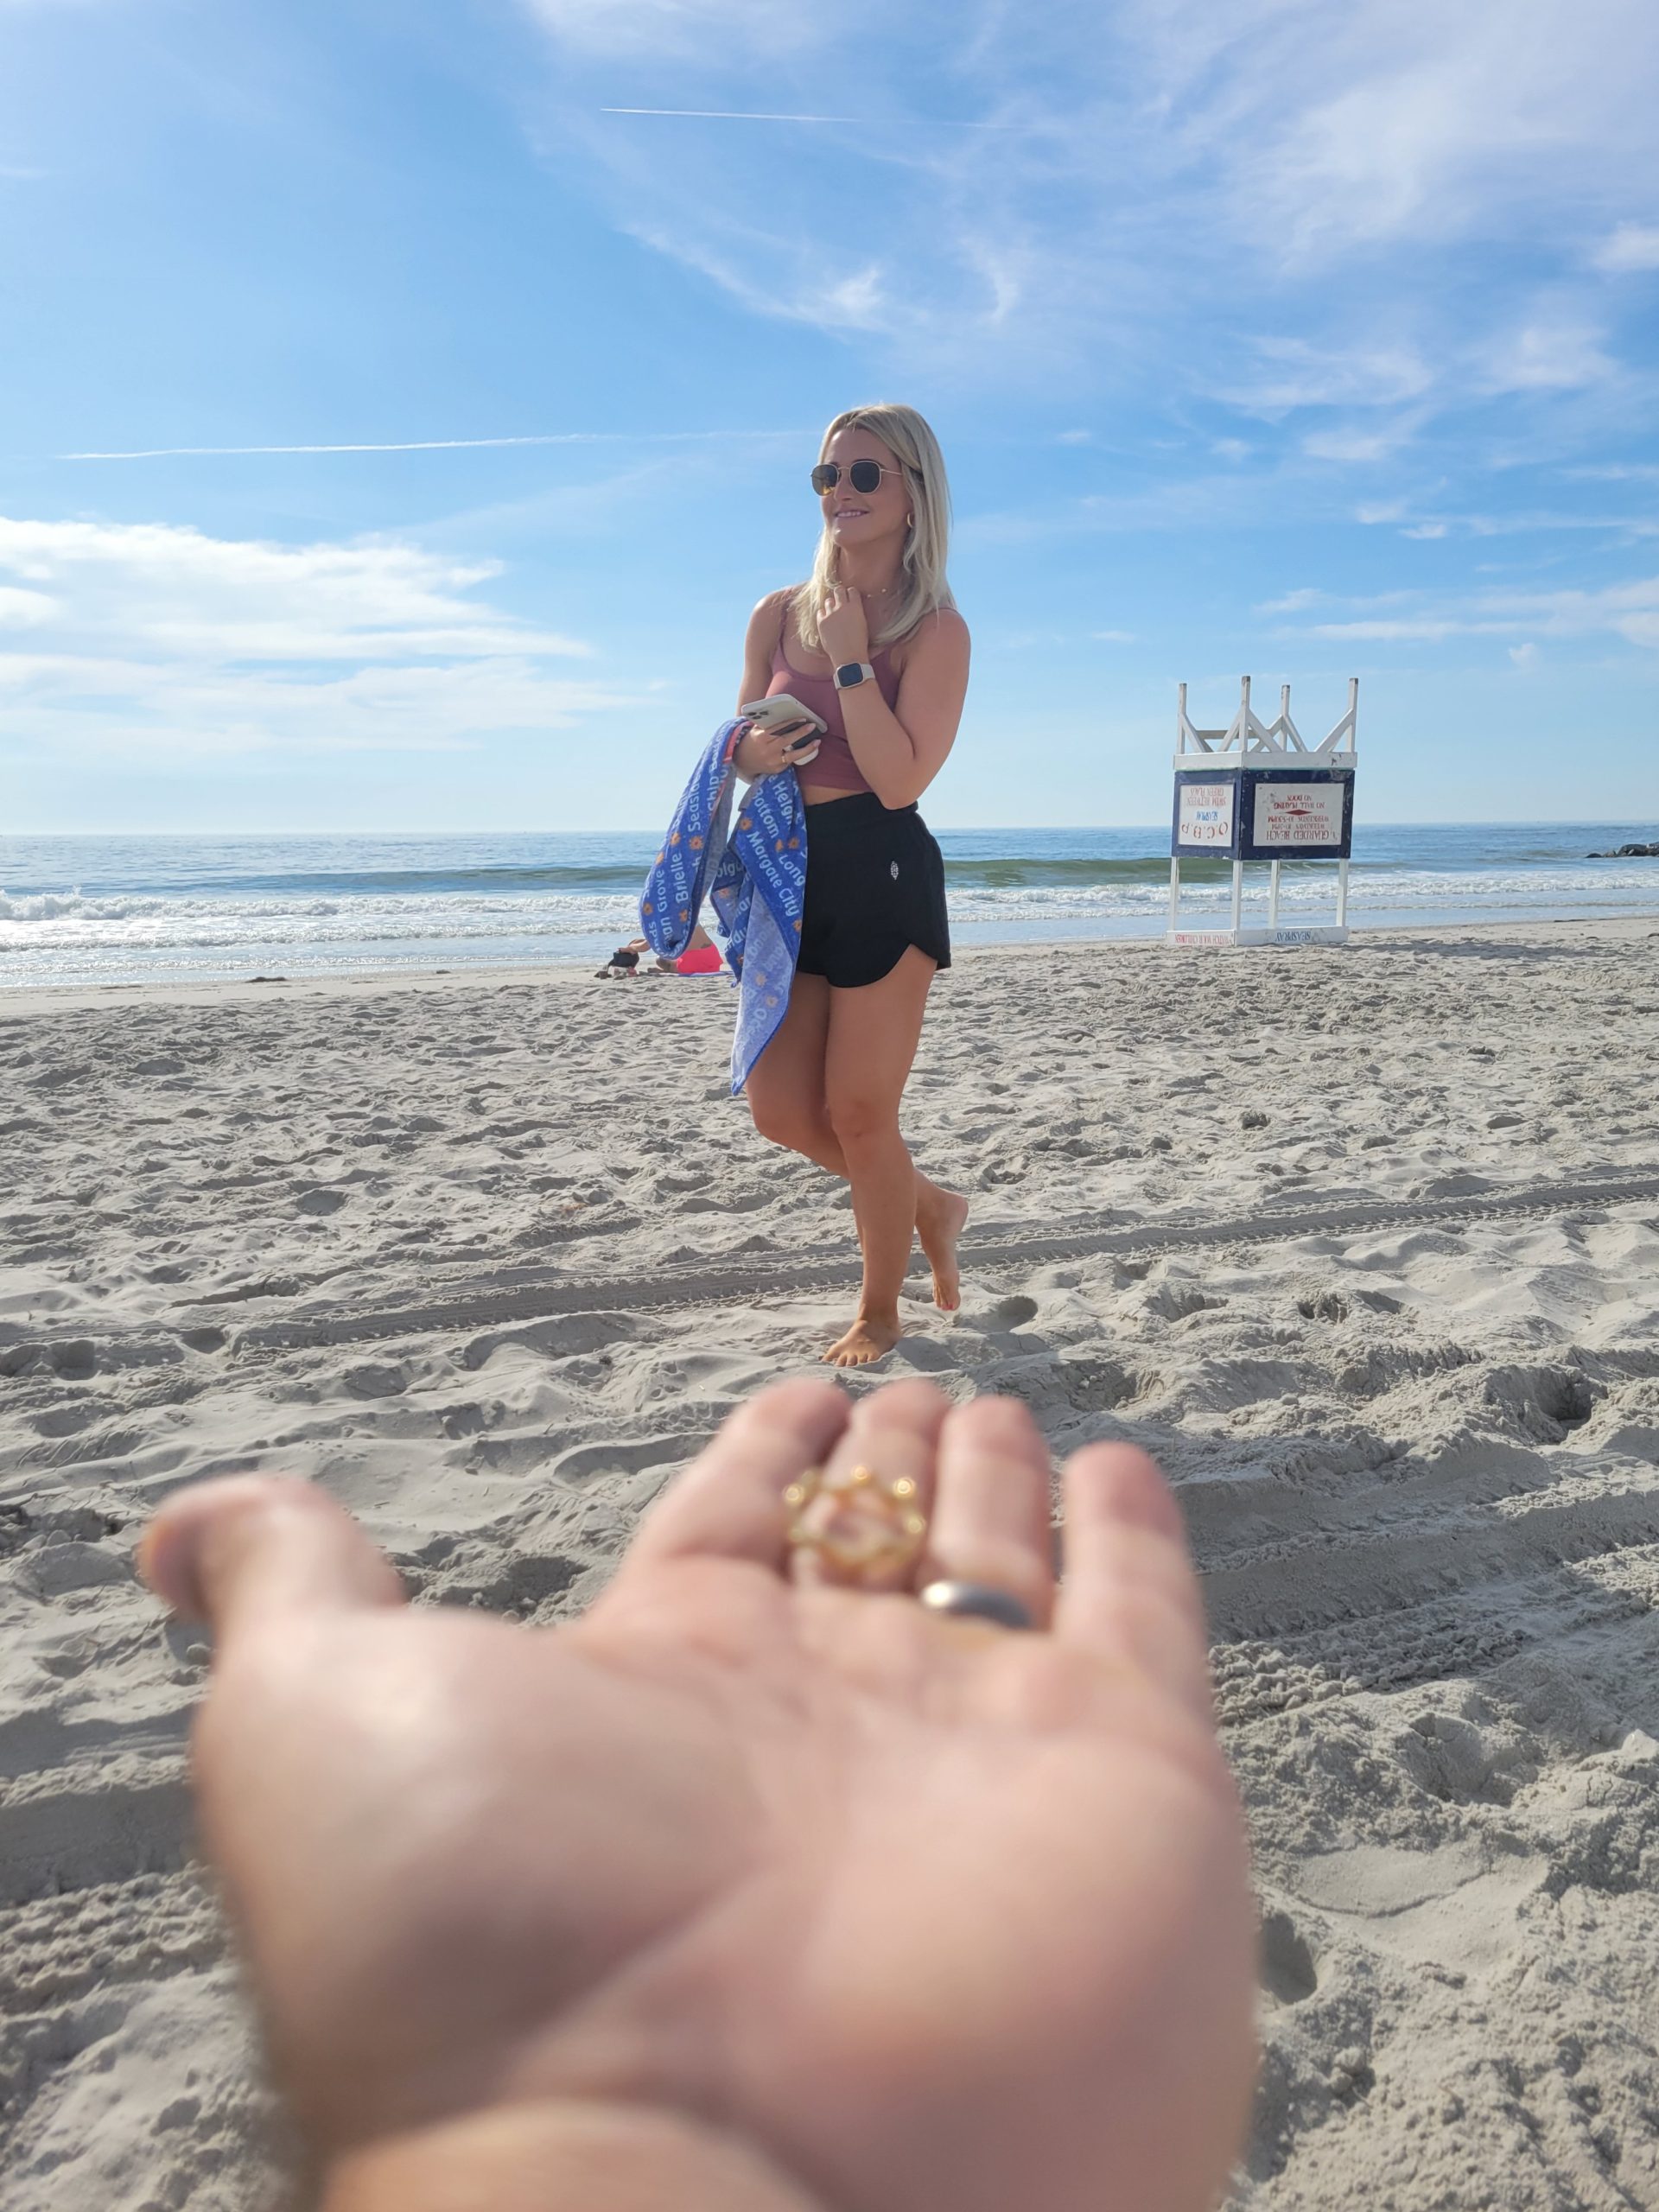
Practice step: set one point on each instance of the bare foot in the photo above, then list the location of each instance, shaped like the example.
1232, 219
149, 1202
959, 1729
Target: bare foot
939, 1227
864, 1342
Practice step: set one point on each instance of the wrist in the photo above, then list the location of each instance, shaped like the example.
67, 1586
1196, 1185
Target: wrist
563, 2157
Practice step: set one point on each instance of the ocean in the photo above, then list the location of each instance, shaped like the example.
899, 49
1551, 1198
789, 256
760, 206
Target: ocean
79, 911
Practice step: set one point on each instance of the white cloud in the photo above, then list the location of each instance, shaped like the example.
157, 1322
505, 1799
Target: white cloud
156, 642
1526, 658
1620, 472
1113, 637
1293, 602
140, 712
1627, 611
1354, 444
652, 27
1546, 357
1394, 118
1631, 248
1401, 629
168, 589
1264, 193
1426, 530
24, 610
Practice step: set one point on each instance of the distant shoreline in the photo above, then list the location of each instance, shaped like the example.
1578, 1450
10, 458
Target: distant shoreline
93, 912
22, 1001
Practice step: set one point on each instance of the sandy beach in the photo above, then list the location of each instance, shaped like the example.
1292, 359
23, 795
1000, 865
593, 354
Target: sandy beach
1362, 1244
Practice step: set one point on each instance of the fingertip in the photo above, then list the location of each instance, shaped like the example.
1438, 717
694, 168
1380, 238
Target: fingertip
169, 1551
805, 1401
1121, 1483
913, 1395
992, 1417
255, 1542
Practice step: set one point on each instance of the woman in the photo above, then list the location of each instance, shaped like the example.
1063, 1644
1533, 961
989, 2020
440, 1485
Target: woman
872, 642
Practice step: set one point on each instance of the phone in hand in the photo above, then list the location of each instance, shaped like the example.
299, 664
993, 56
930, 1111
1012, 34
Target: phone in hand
777, 710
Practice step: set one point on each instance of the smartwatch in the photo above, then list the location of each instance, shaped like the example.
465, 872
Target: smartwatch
855, 672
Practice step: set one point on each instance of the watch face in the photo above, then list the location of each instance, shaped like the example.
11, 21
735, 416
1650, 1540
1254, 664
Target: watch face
853, 673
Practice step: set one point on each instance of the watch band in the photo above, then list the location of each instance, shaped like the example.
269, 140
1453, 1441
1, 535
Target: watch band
855, 673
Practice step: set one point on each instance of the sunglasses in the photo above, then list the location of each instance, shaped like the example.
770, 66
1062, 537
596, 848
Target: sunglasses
863, 475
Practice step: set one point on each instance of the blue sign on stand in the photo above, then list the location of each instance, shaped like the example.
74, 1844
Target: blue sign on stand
1256, 791
1263, 814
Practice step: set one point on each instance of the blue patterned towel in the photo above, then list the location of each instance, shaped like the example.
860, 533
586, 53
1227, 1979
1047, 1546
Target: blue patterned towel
756, 878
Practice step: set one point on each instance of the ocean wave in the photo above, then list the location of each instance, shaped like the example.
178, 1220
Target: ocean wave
82, 906
47, 921
620, 873
73, 937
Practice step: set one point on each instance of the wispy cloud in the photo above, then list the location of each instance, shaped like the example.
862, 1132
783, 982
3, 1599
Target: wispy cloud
1627, 611
1355, 444
439, 445
655, 28
856, 122
1632, 248
178, 591
1313, 167
1555, 356
157, 642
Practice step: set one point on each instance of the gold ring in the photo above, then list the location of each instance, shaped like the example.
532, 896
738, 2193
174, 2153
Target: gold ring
861, 1524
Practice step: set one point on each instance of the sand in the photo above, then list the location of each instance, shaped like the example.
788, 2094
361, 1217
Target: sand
1362, 1243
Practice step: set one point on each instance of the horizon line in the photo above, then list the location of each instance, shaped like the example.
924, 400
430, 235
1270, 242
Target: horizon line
950, 829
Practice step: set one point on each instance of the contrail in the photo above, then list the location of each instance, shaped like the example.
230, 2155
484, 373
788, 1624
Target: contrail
434, 445
742, 115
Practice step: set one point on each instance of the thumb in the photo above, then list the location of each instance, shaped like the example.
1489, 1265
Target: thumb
253, 1547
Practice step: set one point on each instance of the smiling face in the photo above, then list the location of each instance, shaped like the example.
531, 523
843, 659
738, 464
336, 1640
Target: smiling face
860, 521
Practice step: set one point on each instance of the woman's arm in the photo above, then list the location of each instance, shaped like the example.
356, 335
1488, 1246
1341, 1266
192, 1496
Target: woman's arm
900, 749
760, 643
761, 752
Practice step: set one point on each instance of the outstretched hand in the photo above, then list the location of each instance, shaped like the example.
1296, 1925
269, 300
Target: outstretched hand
930, 1915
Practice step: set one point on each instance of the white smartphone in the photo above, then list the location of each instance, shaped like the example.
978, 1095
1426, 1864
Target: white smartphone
778, 710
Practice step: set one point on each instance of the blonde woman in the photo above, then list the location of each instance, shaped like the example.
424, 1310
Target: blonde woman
873, 645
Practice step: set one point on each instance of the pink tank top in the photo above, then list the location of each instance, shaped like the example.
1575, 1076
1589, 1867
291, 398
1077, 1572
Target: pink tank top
835, 766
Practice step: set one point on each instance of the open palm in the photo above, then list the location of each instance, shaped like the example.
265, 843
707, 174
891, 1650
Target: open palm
931, 1914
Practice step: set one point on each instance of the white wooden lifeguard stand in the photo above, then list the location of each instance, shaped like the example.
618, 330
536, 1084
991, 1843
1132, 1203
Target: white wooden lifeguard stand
1256, 791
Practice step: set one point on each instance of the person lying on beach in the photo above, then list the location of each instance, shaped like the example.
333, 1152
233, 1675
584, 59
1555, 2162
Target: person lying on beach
701, 956
624, 961
873, 645
834, 1860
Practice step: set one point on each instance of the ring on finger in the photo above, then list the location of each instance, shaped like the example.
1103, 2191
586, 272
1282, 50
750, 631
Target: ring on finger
979, 1601
863, 1527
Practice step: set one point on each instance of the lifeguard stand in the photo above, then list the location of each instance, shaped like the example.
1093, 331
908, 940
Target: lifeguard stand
1255, 792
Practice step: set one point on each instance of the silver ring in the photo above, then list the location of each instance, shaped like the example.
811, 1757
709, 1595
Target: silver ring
977, 1601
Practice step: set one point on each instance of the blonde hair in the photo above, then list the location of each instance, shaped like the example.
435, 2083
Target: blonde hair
913, 444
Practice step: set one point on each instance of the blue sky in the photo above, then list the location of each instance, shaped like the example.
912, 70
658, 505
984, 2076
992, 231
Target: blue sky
1261, 335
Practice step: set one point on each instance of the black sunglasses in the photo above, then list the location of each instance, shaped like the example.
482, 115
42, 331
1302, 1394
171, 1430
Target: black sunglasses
863, 475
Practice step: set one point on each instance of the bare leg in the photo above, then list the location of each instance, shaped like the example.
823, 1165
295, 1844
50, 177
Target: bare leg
786, 1095
870, 1044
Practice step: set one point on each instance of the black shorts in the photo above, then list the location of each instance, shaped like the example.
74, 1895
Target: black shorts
874, 887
